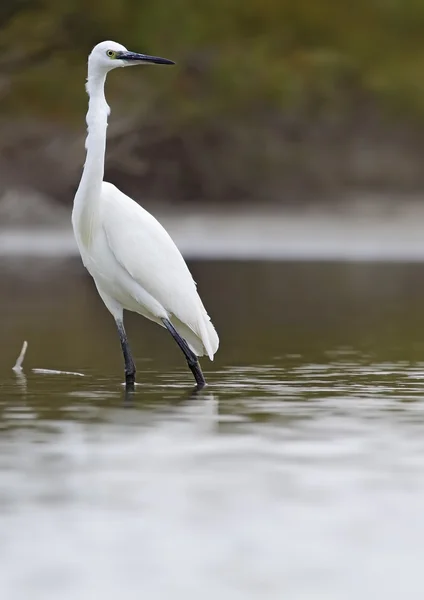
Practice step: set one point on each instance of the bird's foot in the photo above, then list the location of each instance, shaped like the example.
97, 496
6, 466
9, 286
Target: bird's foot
197, 373
129, 379
200, 386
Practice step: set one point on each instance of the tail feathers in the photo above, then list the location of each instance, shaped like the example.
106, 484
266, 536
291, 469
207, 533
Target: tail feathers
209, 336
206, 342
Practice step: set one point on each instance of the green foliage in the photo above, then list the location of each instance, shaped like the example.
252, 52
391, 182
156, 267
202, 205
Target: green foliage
235, 58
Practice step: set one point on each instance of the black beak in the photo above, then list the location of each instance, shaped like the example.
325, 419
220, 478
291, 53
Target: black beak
144, 58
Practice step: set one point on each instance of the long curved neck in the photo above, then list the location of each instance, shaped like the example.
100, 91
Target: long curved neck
87, 198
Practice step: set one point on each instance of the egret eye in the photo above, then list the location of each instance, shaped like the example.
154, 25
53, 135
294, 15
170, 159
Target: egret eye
110, 53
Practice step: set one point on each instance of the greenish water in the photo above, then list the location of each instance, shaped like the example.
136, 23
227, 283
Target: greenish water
297, 474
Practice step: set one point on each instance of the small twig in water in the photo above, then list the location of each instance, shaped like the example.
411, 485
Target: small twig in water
18, 364
55, 372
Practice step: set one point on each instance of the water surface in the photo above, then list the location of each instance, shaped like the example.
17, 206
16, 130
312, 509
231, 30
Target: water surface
297, 474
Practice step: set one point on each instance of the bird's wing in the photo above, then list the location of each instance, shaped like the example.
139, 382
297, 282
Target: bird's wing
146, 251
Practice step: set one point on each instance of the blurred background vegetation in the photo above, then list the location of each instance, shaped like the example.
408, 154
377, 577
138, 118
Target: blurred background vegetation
271, 100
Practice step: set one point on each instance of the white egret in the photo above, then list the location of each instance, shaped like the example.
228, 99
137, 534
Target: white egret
134, 262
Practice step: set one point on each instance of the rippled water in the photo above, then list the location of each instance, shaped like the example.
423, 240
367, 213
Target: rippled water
297, 474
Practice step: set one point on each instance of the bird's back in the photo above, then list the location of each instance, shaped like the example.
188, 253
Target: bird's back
146, 252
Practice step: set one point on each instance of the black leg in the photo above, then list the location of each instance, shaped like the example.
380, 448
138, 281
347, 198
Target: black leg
129, 362
192, 361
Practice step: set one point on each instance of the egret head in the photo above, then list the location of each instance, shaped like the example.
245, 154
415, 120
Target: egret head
108, 55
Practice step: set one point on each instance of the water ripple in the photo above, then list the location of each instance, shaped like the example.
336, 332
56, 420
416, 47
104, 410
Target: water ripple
302, 480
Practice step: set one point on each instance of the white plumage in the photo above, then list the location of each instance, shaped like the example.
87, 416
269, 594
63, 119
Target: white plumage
134, 262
